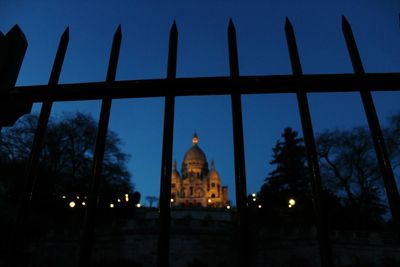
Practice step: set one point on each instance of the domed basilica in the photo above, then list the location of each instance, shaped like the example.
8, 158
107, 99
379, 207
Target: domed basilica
197, 186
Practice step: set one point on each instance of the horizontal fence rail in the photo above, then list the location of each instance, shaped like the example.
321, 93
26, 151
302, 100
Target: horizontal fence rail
263, 84
17, 100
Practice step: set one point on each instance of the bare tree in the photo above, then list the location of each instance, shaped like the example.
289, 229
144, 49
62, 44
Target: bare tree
151, 200
350, 170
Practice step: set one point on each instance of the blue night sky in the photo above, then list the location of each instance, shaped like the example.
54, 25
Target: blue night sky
203, 51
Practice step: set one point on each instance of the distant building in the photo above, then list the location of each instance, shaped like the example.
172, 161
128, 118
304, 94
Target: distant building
197, 186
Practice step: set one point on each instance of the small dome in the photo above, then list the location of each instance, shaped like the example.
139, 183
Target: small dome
213, 174
175, 173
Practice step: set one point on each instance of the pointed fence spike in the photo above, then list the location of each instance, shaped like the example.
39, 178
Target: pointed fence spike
231, 25
118, 31
172, 51
344, 20
346, 27
292, 46
174, 28
65, 34
114, 55
232, 48
18, 34
287, 22
59, 58
352, 46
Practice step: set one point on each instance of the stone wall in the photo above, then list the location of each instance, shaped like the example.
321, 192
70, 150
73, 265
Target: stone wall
207, 238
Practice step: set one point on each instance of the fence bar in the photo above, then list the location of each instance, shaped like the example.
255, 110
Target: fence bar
3, 53
31, 175
238, 142
91, 210
13, 48
374, 126
163, 246
312, 157
271, 84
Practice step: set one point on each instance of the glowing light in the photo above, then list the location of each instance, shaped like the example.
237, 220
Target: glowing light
254, 199
72, 204
83, 203
209, 200
64, 197
259, 206
292, 202
118, 200
77, 197
172, 200
253, 195
111, 205
126, 197
138, 205
195, 139
290, 206
228, 207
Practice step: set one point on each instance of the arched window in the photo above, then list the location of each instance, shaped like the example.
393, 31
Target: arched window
212, 195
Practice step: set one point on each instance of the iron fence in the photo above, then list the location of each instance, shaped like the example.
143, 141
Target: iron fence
17, 100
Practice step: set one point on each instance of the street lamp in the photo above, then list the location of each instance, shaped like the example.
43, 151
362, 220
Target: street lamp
292, 202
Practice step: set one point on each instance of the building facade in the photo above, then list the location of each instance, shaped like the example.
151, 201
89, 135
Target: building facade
197, 185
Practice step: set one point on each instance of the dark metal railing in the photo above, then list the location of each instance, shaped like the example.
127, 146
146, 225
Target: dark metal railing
312, 156
16, 101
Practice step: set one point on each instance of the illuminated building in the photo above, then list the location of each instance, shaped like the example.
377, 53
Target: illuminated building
197, 185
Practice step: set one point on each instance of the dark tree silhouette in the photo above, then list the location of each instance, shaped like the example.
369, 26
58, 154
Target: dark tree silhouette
349, 169
66, 160
289, 180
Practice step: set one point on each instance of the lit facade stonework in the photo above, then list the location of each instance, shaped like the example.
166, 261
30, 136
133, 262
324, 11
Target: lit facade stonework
197, 185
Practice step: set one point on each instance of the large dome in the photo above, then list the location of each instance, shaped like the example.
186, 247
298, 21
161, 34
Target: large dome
195, 155
194, 161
